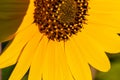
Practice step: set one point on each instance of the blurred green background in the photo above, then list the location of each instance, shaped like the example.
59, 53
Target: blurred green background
11, 15
114, 72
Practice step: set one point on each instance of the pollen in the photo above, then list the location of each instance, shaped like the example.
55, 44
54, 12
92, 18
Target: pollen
60, 19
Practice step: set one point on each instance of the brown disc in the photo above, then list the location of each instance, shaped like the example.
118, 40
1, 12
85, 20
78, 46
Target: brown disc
60, 19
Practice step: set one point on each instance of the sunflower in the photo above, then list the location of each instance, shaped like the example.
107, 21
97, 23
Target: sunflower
60, 39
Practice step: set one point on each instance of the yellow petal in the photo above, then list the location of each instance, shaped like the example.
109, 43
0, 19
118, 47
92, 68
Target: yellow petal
36, 68
49, 62
10, 55
93, 52
96, 5
26, 58
59, 75
102, 13
78, 65
105, 36
64, 72
55, 66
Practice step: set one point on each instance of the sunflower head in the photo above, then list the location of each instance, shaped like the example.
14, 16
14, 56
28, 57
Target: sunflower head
60, 19
49, 41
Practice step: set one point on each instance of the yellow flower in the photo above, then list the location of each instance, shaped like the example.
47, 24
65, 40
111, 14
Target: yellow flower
54, 42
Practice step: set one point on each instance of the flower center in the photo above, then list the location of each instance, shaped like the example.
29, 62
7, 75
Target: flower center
60, 19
